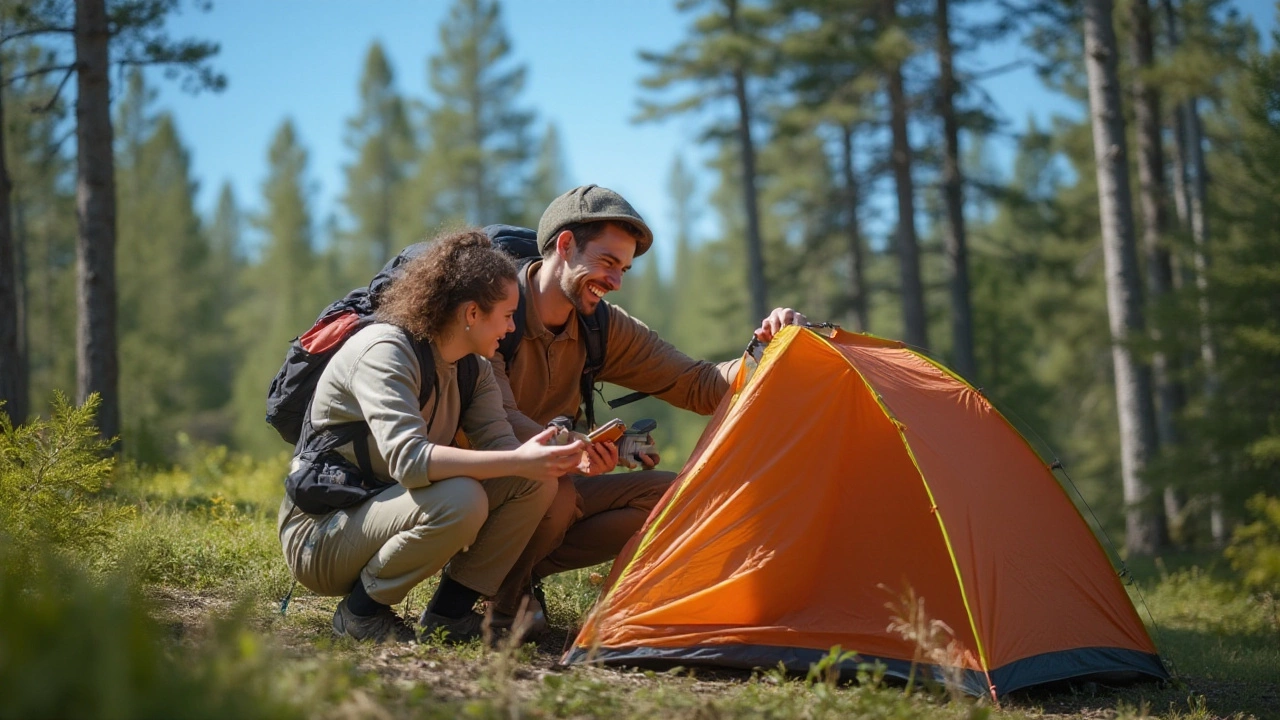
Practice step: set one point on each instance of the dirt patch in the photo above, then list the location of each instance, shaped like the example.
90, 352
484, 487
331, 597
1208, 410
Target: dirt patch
184, 614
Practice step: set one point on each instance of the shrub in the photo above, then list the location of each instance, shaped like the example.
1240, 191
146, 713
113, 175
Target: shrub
1255, 548
51, 474
73, 647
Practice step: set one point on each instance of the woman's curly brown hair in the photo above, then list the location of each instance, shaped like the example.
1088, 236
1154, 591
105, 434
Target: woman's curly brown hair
455, 268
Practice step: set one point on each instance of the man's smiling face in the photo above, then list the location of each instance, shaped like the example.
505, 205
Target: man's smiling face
597, 268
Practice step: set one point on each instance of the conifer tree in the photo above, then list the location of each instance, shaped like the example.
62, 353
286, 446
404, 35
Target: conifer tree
550, 176
476, 170
895, 48
226, 246
1170, 396
13, 360
827, 51
382, 141
1239, 437
43, 223
1143, 529
725, 57
956, 242
167, 312
133, 33
682, 189
800, 220
281, 301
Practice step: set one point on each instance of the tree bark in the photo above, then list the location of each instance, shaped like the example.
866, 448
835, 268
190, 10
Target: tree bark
757, 285
953, 192
96, 361
1144, 534
1200, 237
13, 364
915, 323
1146, 110
857, 255
1192, 197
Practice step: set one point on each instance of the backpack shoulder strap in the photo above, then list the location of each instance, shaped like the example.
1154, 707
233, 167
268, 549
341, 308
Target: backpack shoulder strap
427, 363
429, 385
595, 332
468, 374
597, 336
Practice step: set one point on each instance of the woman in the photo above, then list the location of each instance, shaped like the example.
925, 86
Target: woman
474, 509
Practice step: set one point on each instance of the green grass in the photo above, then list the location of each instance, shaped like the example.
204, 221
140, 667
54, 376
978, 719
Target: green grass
202, 545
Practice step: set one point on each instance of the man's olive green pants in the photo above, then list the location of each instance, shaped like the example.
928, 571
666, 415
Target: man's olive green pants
589, 522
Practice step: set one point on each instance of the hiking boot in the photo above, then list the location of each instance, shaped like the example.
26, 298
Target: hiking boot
454, 630
383, 626
532, 622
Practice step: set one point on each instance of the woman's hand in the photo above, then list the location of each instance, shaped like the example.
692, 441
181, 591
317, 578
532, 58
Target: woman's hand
543, 462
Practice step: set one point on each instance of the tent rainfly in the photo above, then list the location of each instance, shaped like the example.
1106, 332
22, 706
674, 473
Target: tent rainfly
841, 476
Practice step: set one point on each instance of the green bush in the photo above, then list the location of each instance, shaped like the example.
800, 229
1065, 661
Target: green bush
51, 475
1255, 548
74, 647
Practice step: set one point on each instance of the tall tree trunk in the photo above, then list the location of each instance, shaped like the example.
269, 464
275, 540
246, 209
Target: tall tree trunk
757, 285
13, 365
1200, 237
953, 192
1201, 259
913, 314
1124, 291
97, 369
1193, 200
857, 254
1169, 392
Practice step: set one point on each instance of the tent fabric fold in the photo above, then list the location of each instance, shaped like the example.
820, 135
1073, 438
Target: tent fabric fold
842, 477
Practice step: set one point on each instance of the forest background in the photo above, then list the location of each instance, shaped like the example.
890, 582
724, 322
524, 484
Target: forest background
843, 158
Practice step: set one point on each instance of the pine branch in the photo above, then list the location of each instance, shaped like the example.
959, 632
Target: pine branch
57, 93
41, 30
6, 82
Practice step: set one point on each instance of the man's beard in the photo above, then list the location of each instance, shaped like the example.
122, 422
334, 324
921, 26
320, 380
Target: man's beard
575, 290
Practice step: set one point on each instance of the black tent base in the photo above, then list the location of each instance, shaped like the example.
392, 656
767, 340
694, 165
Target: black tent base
1104, 665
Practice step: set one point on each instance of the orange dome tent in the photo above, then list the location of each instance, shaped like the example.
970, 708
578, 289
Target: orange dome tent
845, 473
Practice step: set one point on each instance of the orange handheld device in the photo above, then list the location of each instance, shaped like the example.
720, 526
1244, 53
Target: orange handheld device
609, 432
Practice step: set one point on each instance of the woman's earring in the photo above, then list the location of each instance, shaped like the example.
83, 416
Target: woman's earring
468, 328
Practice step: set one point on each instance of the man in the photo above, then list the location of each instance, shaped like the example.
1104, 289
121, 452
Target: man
587, 238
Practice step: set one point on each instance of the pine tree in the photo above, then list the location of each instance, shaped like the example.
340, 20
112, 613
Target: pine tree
1143, 530
550, 176
134, 32
830, 66
726, 58
801, 219
167, 312
226, 246
1231, 447
956, 242
43, 222
682, 189
281, 301
476, 170
13, 358
382, 140
894, 49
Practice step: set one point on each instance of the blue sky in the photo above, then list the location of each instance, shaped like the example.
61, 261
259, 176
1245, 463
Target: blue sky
302, 60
